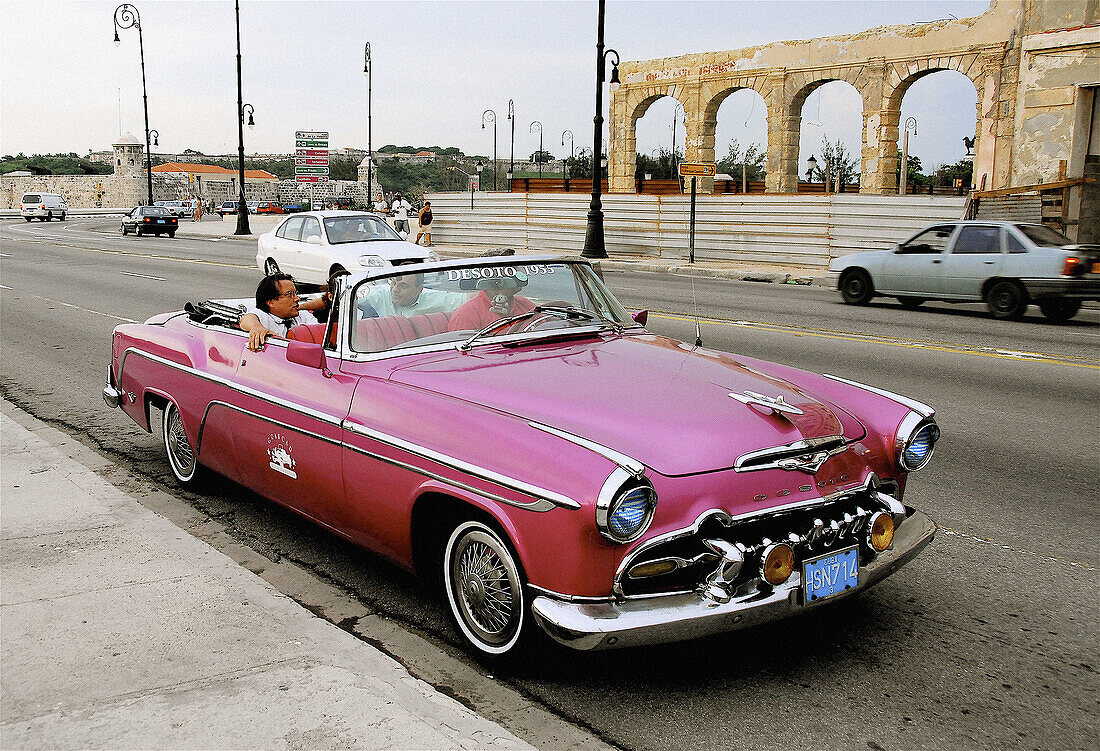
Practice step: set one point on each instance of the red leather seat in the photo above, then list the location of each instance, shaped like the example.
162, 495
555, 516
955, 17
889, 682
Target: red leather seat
380, 334
308, 332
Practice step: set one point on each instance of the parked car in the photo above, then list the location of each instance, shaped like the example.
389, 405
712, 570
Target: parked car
559, 467
314, 244
43, 206
177, 208
269, 207
253, 206
150, 220
292, 208
1007, 265
227, 208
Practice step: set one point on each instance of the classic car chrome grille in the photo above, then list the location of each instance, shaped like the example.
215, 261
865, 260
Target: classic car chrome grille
685, 561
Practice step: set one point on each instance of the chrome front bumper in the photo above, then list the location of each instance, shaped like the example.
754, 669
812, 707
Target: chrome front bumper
629, 623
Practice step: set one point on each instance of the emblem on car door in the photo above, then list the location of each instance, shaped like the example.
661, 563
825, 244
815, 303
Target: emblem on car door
278, 451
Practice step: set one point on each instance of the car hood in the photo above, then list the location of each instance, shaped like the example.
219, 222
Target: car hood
388, 249
649, 397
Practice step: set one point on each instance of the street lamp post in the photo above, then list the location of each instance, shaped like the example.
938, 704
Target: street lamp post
370, 151
536, 127
242, 203
593, 234
492, 117
126, 17
910, 123
572, 150
512, 162
678, 109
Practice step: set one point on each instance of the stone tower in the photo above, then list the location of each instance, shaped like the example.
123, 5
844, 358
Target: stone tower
128, 155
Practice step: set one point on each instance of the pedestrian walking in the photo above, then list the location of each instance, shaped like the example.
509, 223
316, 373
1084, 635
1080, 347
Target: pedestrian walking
198, 211
400, 210
425, 219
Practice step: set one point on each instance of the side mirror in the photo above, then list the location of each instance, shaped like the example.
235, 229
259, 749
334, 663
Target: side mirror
640, 317
306, 353
314, 240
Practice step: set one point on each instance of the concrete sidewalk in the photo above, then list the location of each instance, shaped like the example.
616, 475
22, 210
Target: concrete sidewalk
120, 630
758, 272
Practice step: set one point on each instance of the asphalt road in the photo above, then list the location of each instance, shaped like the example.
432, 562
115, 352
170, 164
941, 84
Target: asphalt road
988, 640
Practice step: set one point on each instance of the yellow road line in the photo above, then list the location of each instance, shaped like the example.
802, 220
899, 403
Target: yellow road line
1005, 546
895, 342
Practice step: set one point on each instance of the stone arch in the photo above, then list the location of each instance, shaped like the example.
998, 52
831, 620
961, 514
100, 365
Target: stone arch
624, 141
783, 167
713, 103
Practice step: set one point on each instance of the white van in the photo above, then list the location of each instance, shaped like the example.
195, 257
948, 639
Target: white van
45, 206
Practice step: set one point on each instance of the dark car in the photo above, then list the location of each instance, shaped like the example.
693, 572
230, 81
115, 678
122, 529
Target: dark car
150, 220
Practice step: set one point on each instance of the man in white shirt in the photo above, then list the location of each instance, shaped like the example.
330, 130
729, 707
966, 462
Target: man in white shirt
278, 309
406, 296
401, 209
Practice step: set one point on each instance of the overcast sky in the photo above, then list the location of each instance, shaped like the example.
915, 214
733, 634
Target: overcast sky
436, 67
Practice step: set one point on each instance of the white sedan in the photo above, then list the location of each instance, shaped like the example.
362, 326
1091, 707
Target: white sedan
311, 246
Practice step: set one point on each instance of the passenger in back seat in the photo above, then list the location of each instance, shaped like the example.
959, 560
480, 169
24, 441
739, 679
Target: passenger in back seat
407, 296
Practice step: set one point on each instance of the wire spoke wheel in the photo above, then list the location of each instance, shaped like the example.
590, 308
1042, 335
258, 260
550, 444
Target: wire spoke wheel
484, 589
181, 457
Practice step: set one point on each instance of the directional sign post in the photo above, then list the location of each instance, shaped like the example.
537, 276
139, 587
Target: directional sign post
311, 156
695, 171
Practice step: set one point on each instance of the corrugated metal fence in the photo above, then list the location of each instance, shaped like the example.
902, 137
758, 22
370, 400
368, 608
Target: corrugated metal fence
802, 230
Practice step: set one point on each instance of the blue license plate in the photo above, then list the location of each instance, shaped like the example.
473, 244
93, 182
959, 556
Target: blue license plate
160, 221
830, 574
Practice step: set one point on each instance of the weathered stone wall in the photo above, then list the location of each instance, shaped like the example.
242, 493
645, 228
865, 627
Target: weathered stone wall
1028, 60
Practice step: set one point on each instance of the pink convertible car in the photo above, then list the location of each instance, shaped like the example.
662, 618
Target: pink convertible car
505, 427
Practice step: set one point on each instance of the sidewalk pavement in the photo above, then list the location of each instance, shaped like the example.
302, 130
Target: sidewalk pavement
753, 272
120, 630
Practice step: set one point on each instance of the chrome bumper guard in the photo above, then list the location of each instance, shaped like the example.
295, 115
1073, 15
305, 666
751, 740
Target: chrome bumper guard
111, 395
656, 620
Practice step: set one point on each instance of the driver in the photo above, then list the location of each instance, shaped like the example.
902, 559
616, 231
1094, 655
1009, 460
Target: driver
278, 309
406, 295
497, 299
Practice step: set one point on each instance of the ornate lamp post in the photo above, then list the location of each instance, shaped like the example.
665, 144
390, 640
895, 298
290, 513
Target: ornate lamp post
512, 162
127, 17
910, 124
370, 151
492, 117
593, 234
572, 151
242, 203
536, 127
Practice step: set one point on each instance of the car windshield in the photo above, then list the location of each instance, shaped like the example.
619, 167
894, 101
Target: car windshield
452, 305
154, 211
1044, 236
358, 229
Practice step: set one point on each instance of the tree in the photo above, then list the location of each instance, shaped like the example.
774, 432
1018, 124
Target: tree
660, 166
947, 174
843, 167
541, 156
914, 175
754, 160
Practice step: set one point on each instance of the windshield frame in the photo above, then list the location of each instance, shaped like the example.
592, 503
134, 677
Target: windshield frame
588, 284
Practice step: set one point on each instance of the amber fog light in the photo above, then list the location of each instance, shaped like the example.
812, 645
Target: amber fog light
882, 531
777, 563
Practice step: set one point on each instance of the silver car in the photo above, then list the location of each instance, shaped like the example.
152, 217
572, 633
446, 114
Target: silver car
1007, 265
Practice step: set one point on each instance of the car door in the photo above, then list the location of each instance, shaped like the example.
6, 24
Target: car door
916, 265
314, 257
976, 255
286, 248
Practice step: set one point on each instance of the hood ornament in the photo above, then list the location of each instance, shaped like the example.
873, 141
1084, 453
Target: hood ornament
775, 404
808, 463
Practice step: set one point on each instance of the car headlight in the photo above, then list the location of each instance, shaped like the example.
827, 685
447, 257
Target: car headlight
625, 507
916, 440
372, 261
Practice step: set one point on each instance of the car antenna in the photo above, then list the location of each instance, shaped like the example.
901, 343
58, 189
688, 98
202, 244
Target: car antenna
695, 307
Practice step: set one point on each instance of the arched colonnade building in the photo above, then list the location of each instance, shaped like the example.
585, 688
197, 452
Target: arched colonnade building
881, 64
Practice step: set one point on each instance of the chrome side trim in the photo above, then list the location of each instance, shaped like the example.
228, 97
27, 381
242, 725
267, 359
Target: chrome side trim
463, 466
258, 416
564, 597
632, 466
485, 474
727, 519
905, 401
810, 447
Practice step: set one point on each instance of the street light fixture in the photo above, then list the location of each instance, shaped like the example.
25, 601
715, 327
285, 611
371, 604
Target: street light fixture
469, 180
593, 234
512, 162
492, 117
572, 151
127, 17
536, 127
242, 203
910, 124
811, 164
370, 151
